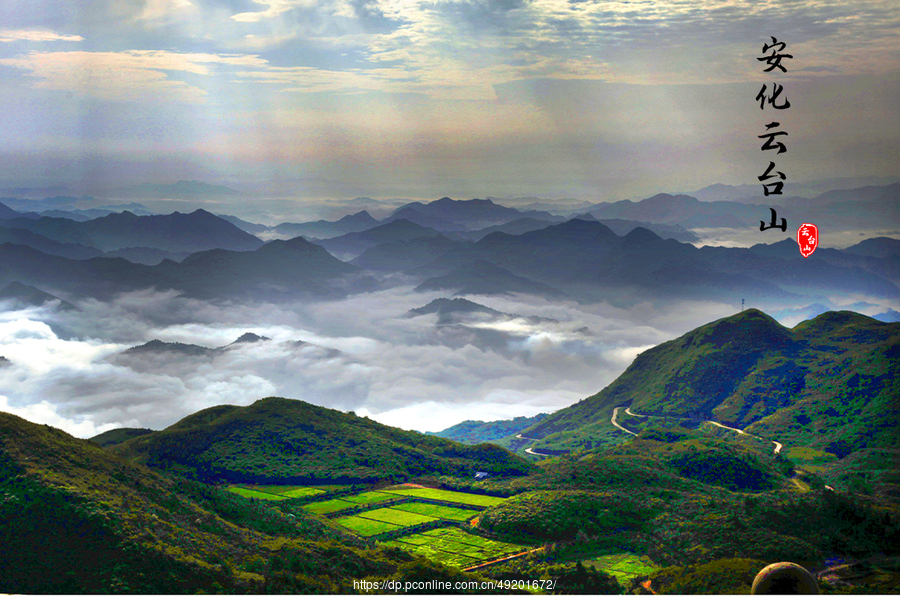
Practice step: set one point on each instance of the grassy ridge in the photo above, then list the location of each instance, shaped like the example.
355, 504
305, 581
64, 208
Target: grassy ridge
829, 383
78, 519
280, 441
541, 516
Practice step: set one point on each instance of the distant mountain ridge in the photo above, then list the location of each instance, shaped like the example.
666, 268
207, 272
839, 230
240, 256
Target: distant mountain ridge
476, 432
460, 310
180, 189
275, 270
28, 296
587, 260
159, 347
176, 232
322, 229
472, 214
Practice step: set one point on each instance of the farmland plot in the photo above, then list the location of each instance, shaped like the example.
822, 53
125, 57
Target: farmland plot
253, 493
437, 511
369, 497
455, 547
275, 492
444, 495
329, 506
397, 517
624, 566
366, 527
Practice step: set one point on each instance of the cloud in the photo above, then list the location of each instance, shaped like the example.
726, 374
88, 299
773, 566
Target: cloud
361, 353
46, 413
134, 75
155, 10
7, 35
275, 8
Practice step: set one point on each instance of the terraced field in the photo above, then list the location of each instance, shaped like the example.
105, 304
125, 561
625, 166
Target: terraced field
624, 566
457, 497
252, 493
329, 506
437, 511
455, 547
398, 517
276, 492
366, 527
369, 497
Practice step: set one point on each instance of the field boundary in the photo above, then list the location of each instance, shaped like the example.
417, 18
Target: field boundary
503, 559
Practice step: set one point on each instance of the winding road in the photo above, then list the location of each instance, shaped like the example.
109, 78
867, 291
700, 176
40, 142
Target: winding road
615, 414
529, 450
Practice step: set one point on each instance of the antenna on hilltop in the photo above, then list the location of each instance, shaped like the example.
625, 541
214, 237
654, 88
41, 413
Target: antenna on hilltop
742, 304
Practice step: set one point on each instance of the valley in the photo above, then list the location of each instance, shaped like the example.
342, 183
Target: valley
251, 404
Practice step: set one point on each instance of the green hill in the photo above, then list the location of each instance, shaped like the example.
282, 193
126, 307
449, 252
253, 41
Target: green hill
117, 436
828, 383
79, 519
475, 432
277, 440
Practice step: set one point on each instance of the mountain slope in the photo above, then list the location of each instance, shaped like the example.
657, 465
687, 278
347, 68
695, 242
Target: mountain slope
276, 440
326, 229
79, 519
22, 295
475, 432
471, 214
834, 377
181, 189
19, 236
355, 243
277, 269
175, 233
483, 277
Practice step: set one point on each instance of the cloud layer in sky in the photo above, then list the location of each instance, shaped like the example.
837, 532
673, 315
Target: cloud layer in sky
365, 353
466, 97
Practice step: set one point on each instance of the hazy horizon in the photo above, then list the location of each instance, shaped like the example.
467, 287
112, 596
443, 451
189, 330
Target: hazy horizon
472, 98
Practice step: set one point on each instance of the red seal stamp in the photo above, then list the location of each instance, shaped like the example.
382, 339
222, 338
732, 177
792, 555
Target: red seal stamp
808, 239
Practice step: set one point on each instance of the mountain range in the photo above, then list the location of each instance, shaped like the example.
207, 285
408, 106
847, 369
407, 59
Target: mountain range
735, 445
176, 232
178, 190
829, 383
275, 270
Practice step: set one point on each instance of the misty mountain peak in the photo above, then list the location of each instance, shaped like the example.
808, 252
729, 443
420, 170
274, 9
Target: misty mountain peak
455, 305
640, 235
249, 338
671, 200
362, 216
158, 346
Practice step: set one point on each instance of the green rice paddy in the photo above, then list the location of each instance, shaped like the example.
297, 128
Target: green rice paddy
455, 547
252, 493
329, 506
366, 527
369, 497
397, 517
624, 566
436, 510
276, 492
444, 495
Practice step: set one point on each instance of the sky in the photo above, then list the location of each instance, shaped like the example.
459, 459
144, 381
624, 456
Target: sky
293, 102
466, 98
